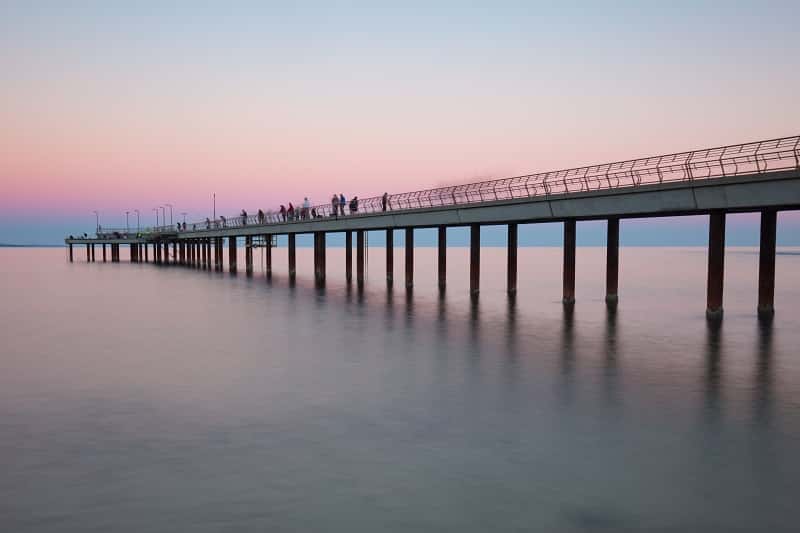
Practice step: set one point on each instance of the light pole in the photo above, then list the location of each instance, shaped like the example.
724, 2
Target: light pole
163, 216
137, 220
127, 225
97, 220
156, 210
170, 213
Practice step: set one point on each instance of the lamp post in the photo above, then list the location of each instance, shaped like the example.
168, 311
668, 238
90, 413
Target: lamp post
127, 225
170, 213
137, 220
163, 216
97, 220
156, 210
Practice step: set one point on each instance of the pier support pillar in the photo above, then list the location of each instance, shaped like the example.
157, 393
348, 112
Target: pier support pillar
389, 257
612, 262
232, 255
348, 256
268, 254
569, 262
248, 255
409, 258
71, 258
203, 254
766, 264
360, 257
319, 257
183, 253
88, 253
175, 252
716, 264
208, 253
92, 252
104, 253
442, 260
292, 257
132, 249
511, 266
474, 259
146, 253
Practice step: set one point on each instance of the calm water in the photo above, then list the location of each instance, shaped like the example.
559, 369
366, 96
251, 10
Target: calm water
137, 398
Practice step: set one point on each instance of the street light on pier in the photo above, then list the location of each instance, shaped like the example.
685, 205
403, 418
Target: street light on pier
163, 216
156, 210
97, 220
184, 217
137, 220
170, 213
127, 225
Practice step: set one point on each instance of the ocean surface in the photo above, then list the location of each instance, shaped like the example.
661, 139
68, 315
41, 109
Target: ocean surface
136, 398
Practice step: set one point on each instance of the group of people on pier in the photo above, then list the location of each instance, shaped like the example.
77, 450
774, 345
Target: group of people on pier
339, 207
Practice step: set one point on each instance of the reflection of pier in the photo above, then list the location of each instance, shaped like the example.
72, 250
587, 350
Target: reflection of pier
760, 177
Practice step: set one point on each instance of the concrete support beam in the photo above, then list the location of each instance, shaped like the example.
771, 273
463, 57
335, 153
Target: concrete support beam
92, 252
348, 256
442, 262
569, 262
292, 257
360, 258
766, 264
474, 259
716, 264
511, 266
232, 255
71, 257
612, 262
319, 257
88, 253
268, 254
248, 255
409, 258
389, 257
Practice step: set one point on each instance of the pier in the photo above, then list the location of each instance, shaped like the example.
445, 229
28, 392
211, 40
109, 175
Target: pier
762, 176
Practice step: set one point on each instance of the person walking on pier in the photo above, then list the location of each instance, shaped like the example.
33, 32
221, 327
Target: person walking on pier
306, 207
244, 217
384, 201
282, 212
354, 205
260, 216
208, 223
335, 205
290, 211
342, 202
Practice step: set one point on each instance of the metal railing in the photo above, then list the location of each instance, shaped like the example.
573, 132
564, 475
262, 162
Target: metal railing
749, 158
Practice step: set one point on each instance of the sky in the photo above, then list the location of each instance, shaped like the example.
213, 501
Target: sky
118, 106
